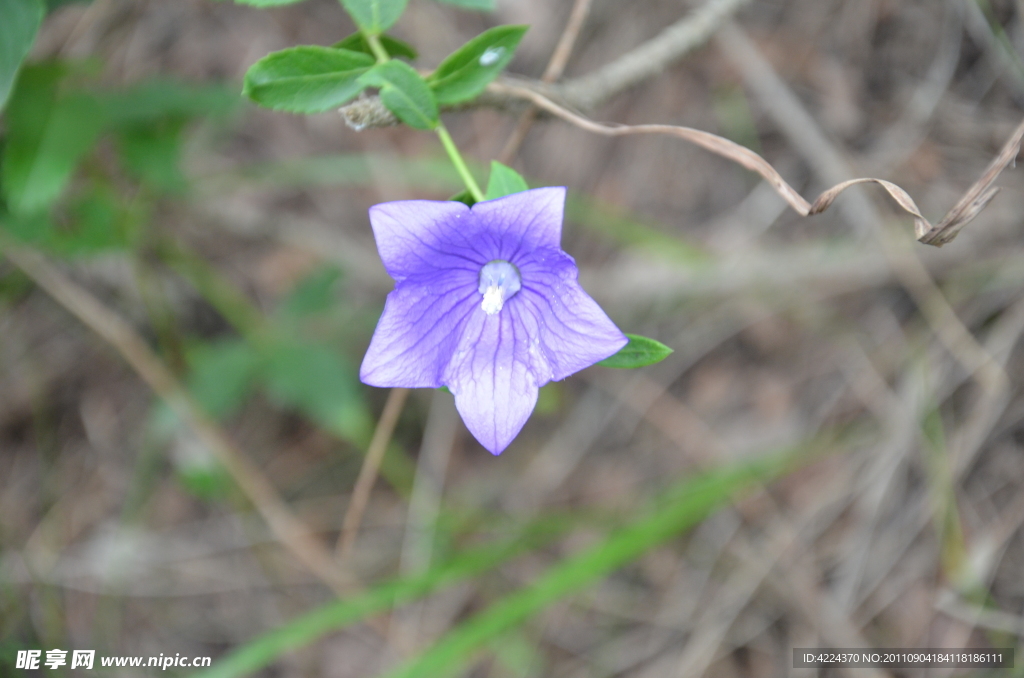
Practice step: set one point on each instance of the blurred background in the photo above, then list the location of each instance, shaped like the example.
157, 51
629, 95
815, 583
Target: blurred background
236, 242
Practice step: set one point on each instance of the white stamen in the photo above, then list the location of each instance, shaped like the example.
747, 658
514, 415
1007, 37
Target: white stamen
499, 282
494, 300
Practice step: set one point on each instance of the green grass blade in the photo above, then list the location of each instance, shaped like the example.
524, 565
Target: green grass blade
682, 508
312, 625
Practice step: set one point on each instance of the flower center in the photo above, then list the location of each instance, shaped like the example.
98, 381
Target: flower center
499, 282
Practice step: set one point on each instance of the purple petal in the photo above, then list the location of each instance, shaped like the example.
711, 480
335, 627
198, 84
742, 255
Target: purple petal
495, 389
419, 331
523, 221
423, 237
572, 331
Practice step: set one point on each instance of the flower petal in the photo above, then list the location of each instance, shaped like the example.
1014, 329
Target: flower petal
419, 331
572, 331
422, 237
522, 221
495, 389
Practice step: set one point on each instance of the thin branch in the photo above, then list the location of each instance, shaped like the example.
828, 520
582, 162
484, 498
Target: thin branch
289, 530
563, 50
830, 164
554, 70
706, 140
439, 436
652, 57
368, 472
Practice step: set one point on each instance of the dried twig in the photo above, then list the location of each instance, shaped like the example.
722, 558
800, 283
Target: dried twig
368, 472
825, 159
439, 436
976, 198
706, 140
554, 70
289, 530
650, 58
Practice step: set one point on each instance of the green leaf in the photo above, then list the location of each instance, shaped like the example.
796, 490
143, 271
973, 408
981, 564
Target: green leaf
682, 508
100, 221
482, 5
404, 92
158, 99
152, 153
222, 375
393, 46
467, 71
504, 181
639, 352
306, 79
205, 481
374, 16
316, 381
19, 23
313, 294
465, 197
47, 136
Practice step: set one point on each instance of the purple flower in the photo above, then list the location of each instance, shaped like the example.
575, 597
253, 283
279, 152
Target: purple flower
485, 303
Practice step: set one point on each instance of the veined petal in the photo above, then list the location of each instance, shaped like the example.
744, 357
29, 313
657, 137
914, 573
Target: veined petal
522, 221
571, 329
419, 331
422, 237
495, 389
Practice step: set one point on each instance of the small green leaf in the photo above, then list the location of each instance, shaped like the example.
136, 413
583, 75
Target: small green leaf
374, 16
317, 381
315, 293
404, 92
158, 99
639, 352
467, 71
46, 137
306, 79
482, 5
465, 197
100, 221
153, 154
393, 46
223, 375
202, 478
19, 23
504, 181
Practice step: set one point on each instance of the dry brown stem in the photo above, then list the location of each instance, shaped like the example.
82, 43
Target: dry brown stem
370, 468
968, 207
652, 57
554, 70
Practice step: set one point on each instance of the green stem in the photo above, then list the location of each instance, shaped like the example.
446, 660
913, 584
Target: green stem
460, 164
377, 48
